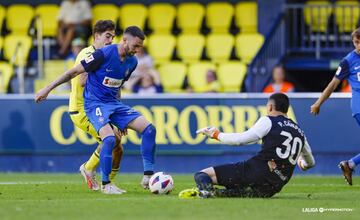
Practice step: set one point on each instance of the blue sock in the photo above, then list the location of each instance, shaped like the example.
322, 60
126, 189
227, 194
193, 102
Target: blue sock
106, 157
148, 147
356, 160
203, 181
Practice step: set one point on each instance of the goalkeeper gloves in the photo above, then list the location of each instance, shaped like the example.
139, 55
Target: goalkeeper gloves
211, 132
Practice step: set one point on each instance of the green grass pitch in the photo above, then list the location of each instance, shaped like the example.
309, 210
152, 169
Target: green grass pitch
65, 196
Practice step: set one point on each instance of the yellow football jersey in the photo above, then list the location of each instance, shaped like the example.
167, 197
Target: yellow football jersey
76, 101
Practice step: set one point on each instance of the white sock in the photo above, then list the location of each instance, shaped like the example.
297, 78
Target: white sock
352, 165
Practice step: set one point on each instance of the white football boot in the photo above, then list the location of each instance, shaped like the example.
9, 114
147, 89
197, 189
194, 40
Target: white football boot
111, 189
90, 178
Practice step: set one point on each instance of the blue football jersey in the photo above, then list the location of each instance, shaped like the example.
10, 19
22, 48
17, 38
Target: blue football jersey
106, 74
349, 69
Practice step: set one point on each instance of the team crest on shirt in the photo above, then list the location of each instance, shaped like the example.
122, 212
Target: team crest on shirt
338, 71
89, 59
111, 82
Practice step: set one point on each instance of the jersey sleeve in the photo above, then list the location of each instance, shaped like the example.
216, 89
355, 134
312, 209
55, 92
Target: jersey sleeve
93, 61
255, 133
343, 70
306, 157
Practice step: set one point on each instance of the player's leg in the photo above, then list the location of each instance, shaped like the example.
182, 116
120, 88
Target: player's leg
348, 167
109, 141
117, 156
127, 117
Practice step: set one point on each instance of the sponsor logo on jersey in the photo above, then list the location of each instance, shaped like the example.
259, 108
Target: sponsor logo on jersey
111, 82
338, 71
89, 59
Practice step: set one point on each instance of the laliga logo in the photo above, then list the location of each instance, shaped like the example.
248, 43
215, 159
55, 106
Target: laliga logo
173, 125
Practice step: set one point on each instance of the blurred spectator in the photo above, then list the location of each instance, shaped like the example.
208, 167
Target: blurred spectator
74, 21
279, 84
213, 84
145, 66
76, 46
345, 86
148, 84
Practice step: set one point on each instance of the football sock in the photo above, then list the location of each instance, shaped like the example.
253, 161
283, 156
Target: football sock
203, 181
106, 157
148, 147
93, 161
353, 162
117, 155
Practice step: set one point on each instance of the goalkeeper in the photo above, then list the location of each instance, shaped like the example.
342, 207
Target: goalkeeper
284, 145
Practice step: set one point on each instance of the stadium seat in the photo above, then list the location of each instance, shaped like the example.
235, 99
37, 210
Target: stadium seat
161, 47
247, 46
172, 76
190, 47
18, 18
161, 17
54, 68
219, 47
1, 43
231, 75
347, 15
105, 12
246, 17
219, 16
6, 72
2, 16
17, 43
132, 14
317, 18
48, 14
197, 75
190, 17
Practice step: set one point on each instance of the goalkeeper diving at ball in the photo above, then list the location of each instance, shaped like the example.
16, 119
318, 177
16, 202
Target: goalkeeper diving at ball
283, 146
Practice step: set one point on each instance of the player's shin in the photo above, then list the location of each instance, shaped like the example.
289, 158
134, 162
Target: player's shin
106, 158
93, 161
148, 147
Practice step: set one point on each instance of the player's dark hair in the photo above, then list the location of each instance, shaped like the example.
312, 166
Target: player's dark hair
135, 32
103, 25
281, 102
356, 33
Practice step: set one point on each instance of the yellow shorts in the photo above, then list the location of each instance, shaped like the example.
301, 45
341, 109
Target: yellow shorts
81, 121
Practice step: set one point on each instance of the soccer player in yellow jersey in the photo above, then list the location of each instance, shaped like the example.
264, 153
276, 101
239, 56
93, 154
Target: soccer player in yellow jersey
103, 32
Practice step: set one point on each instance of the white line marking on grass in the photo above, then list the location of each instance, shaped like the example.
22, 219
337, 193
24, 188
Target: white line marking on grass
37, 182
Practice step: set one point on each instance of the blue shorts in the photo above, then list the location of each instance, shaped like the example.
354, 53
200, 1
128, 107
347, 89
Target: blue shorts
117, 113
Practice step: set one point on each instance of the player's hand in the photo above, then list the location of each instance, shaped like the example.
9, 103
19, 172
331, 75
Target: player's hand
302, 165
315, 109
145, 181
211, 132
41, 95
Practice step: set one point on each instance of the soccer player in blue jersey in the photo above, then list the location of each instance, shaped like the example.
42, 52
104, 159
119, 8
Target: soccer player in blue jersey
349, 69
108, 68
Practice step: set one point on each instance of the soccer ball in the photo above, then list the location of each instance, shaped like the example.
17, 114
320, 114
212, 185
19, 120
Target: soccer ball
161, 183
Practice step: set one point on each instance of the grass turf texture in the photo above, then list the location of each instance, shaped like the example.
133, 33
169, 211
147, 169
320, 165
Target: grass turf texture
65, 196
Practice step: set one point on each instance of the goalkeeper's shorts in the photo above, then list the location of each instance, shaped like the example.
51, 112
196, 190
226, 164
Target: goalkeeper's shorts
249, 178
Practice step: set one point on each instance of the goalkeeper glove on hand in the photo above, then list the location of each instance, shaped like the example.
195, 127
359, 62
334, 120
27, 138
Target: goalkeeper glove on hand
211, 132
302, 165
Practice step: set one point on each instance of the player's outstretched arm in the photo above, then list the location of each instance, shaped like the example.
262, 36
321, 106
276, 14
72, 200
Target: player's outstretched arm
306, 159
315, 108
68, 75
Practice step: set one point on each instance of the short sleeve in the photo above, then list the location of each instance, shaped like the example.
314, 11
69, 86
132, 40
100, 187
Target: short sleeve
262, 127
93, 61
343, 70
